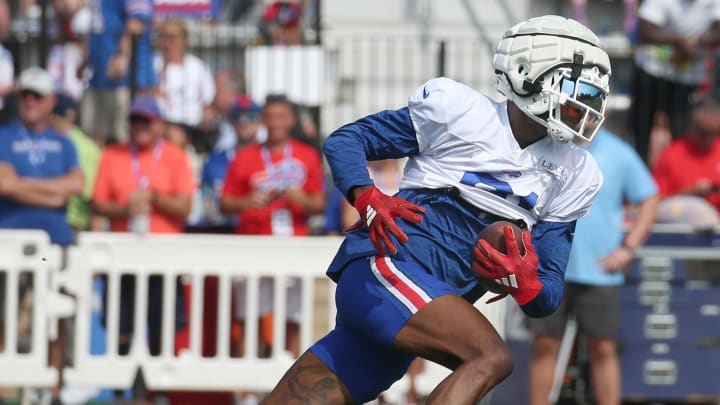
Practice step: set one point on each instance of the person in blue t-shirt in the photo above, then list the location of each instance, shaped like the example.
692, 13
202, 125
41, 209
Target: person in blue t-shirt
600, 252
114, 24
39, 172
39, 168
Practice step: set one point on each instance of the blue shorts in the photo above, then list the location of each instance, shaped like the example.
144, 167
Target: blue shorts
375, 297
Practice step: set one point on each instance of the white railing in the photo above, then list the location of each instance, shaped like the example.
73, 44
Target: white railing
194, 258
30, 255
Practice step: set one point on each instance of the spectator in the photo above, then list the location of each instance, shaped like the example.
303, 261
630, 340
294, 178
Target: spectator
38, 174
186, 87
280, 24
274, 187
245, 116
64, 120
114, 24
66, 58
160, 184
598, 257
145, 186
228, 85
670, 62
690, 166
40, 168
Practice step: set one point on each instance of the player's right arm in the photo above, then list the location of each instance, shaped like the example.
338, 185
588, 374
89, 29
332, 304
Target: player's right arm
394, 134
386, 135
389, 134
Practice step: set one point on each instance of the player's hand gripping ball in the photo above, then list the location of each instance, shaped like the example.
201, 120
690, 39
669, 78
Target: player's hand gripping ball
506, 263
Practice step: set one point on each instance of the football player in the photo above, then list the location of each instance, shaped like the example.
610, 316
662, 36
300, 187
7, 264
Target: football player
408, 274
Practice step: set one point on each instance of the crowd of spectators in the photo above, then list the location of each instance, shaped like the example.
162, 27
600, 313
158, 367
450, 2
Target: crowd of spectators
190, 152
127, 131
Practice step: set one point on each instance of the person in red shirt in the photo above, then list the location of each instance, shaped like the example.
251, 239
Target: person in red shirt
274, 187
691, 165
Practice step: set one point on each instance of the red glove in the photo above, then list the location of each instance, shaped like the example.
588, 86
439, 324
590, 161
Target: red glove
517, 274
377, 212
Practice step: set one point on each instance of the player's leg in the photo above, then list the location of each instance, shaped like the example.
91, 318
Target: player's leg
545, 347
598, 312
356, 361
309, 381
451, 332
344, 367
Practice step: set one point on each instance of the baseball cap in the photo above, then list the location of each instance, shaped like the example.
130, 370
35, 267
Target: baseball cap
244, 106
284, 13
64, 104
37, 80
145, 106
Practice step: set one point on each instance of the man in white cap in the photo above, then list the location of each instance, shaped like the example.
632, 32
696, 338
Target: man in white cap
38, 166
39, 172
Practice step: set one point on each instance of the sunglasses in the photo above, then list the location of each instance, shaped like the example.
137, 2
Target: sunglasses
31, 94
246, 116
139, 119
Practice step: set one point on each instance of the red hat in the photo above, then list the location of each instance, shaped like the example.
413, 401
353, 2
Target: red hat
284, 13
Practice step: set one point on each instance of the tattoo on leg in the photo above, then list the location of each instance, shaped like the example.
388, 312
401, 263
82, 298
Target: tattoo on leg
307, 385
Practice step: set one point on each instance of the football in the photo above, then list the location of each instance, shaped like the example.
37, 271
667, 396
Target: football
495, 236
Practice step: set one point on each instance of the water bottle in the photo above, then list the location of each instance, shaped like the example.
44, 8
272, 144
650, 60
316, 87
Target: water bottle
140, 224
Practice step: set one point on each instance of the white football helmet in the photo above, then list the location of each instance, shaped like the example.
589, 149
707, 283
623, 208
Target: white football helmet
554, 70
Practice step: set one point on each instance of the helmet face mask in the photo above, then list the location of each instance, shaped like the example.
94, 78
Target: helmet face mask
553, 70
577, 108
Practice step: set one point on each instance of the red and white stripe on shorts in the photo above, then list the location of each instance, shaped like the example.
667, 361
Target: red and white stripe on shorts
399, 285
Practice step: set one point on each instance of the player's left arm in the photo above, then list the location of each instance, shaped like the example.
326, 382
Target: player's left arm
552, 236
552, 242
534, 278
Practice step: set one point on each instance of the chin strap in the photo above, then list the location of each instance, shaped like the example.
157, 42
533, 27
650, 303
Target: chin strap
558, 133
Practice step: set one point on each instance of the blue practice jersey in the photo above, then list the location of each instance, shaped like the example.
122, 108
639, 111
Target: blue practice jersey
456, 137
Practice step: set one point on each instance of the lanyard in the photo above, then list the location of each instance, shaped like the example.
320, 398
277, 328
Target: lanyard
276, 167
36, 153
277, 171
144, 181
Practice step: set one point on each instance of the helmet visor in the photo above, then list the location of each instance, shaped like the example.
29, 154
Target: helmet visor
584, 92
582, 109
